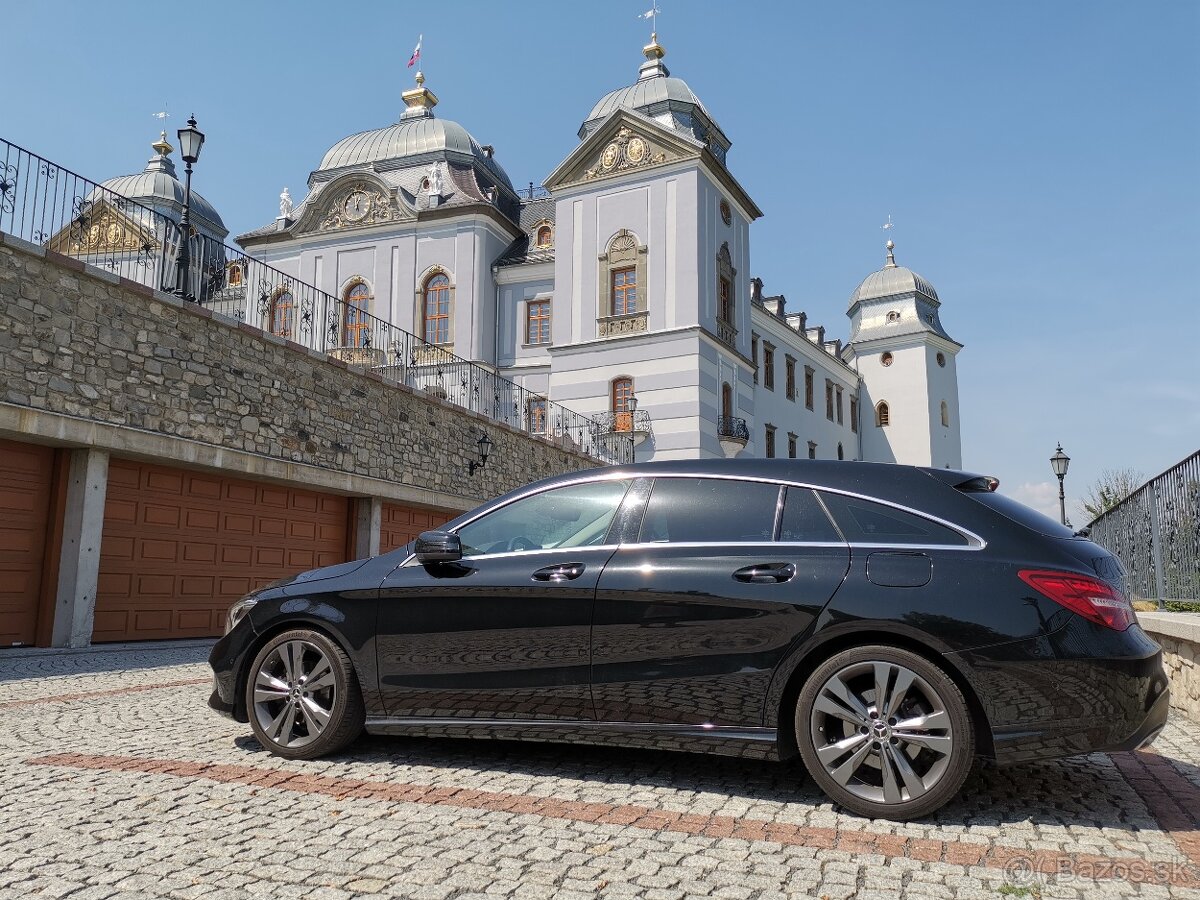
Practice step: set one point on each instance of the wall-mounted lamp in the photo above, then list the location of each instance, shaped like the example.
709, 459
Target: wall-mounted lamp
485, 450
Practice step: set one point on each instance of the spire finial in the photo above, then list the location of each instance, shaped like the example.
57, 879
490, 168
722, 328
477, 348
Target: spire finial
891, 257
162, 147
418, 101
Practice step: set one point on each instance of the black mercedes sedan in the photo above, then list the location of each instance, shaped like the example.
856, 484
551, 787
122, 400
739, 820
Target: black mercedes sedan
888, 624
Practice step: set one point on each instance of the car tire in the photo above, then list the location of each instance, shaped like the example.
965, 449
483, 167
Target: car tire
302, 696
899, 760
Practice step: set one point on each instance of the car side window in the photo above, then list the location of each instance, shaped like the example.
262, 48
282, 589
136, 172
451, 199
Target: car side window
709, 510
804, 521
866, 522
576, 515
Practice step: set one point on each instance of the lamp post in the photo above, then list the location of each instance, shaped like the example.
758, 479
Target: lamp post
191, 139
485, 450
1059, 462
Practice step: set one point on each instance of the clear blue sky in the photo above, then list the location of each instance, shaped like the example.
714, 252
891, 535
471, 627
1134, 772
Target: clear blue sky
1041, 160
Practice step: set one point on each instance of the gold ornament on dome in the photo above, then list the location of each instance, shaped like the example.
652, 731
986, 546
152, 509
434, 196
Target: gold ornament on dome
106, 233
360, 204
626, 151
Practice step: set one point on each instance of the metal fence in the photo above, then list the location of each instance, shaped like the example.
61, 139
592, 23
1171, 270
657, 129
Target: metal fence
1156, 533
46, 204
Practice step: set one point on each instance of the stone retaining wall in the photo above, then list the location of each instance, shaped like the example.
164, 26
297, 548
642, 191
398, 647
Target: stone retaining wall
1179, 635
79, 342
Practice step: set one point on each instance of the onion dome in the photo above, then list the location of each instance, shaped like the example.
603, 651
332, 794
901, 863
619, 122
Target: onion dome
664, 98
419, 138
892, 280
158, 187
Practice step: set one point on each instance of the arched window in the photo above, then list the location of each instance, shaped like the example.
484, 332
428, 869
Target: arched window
841, 453
435, 315
356, 330
235, 275
545, 237
282, 309
622, 395
726, 401
883, 415
945, 414
622, 283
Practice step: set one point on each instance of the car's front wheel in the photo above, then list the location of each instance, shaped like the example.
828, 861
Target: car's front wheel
303, 697
884, 732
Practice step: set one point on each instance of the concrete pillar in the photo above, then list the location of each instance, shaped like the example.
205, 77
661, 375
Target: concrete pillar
79, 566
368, 522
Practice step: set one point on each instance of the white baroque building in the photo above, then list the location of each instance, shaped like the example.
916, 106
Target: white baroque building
627, 276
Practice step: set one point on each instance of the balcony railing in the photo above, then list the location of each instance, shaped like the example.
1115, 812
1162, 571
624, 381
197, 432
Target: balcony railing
732, 428
46, 204
609, 423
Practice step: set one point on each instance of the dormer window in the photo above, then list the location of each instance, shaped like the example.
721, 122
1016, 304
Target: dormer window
893, 316
545, 237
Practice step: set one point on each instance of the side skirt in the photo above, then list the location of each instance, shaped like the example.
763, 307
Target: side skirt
725, 740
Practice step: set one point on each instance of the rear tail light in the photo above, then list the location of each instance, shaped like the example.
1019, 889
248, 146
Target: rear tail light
1090, 597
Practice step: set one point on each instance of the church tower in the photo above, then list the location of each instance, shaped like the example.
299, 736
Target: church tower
909, 398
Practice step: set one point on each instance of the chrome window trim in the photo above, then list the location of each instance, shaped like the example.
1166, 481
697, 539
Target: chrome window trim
975, 542
840, 545
510, 553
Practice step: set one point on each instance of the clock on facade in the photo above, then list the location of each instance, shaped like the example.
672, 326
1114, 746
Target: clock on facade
356, 206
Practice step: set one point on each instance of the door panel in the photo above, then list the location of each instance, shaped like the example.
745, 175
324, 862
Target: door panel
678, 639
26, 472
485, 638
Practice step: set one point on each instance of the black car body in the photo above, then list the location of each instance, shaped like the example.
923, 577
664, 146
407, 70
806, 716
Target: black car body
696, 613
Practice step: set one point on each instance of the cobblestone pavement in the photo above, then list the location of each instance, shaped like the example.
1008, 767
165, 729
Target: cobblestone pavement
118, 782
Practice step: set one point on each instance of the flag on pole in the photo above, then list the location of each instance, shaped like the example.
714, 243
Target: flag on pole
416, 54
160, 115
648, 14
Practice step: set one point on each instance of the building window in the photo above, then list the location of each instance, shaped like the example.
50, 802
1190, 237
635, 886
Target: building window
235, 276
545, 237
624, 291
854, 414
622, 276
754, 355
829, 399
535, 412
726, 310
770, 442
789, 366
768, 366
945, 414
838, 389
885, 359
809, 374
282, 310
893, 316
537, 322
941, 360
791, 445
727, 401
883, 415
436, 310
356, 328
841, 453
812, 449
726, 279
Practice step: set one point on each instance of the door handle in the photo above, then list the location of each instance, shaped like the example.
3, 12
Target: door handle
561, 572
766, 573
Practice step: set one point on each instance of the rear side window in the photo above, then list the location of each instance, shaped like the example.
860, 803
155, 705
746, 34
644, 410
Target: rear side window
709, 510
1021, 514
865, 522
804, 520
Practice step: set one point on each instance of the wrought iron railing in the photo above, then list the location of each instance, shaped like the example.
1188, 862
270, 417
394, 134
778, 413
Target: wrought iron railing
1156, 533
609, 423
732, 427
46, 204
533, 192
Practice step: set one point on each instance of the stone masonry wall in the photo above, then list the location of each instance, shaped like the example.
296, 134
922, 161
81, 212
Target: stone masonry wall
1180, 659
86, 344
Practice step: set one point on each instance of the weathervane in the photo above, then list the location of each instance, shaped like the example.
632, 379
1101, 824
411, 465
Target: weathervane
889, 225
160, 115
652, 15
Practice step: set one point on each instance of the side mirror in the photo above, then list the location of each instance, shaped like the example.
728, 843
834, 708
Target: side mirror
437, 547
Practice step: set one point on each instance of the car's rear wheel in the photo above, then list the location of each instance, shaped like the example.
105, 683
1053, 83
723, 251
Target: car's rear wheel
303, 697
884, 732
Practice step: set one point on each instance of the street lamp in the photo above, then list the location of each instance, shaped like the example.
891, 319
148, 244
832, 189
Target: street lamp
485, 450
1059, 462
191, 139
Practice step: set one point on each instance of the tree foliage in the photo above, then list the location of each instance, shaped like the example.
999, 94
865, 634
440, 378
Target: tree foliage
1113, 486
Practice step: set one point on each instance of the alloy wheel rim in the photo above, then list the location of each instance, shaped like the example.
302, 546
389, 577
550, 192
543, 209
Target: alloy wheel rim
294, 694
882, 732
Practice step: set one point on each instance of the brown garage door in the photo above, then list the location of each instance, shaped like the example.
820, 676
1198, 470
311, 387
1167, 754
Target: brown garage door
26, 472
400, 524
179, 547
